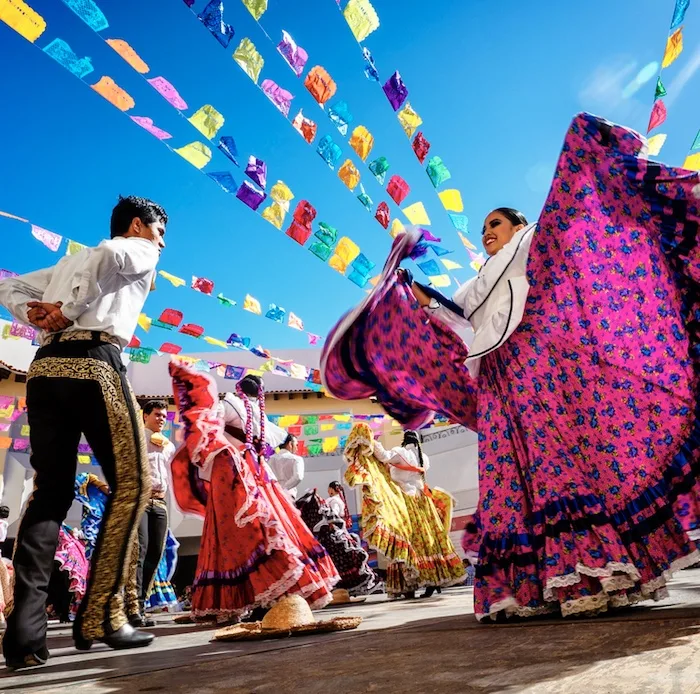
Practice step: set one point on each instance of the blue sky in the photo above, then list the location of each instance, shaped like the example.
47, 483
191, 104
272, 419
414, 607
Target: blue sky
495, 83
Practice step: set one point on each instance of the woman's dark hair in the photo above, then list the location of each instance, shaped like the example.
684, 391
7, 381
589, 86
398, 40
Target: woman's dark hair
514, 216
337, 487
288, 440
251, 385
411, 437
4, 512
154, 405
132, 206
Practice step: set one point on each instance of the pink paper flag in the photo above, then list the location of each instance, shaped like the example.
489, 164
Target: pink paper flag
168, 92
313, 339
147, 124
48, 238
295, 322
658, 115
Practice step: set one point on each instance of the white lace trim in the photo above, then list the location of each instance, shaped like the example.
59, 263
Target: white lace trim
595, 604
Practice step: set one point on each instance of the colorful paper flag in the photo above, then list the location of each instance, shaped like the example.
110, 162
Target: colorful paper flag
129, 55
295, 322
111, 91
224, 301
74, 247
196, 153
168, 92
175, 281
416, 214
655, 143
674, 47
207, 120
250, 303
658, 115
451, 200
144, 322
203, 285
450, 264
48, 238
215, 342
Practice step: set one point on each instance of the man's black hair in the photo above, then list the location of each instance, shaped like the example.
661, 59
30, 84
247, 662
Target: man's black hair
154, 405
132, 206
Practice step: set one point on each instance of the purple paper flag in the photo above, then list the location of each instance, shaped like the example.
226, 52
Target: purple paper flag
48, 238
257, 171
147, 124
295, 56
281, 98
427, 236
168, 92
250, 195
395, 91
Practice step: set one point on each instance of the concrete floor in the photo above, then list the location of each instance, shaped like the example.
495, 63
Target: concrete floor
429, 646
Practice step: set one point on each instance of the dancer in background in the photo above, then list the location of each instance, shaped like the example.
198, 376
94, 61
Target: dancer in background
150, 543
255, 547
345, 548
71, 577
5, 579
162, 594
338, 503
588, 362
86, 307
287, 466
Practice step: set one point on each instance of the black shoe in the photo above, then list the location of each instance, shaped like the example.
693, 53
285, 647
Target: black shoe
147, 621
127, 637
430, 590
32, 660
136, 620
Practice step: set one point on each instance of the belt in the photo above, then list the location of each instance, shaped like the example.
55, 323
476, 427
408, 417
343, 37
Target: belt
82, 336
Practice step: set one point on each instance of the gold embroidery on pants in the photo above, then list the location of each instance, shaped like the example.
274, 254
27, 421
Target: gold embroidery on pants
109, 566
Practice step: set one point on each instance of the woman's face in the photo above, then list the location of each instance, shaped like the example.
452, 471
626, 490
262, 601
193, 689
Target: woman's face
331, 491
497, 231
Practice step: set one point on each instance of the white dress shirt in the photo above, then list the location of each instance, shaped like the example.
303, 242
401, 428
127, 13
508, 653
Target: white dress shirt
494, 301
337, 505
289, 470
159, 458
411, 482
102, 288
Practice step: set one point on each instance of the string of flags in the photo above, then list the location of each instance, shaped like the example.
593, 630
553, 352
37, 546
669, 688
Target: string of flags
274, 312
322, 88
363, 20
659, 112
317, 434
343, 255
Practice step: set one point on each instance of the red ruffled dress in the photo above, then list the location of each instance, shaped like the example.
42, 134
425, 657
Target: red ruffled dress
255, 547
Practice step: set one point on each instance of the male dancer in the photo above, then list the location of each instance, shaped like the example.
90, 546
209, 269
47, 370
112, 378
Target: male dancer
153, 528
86, 307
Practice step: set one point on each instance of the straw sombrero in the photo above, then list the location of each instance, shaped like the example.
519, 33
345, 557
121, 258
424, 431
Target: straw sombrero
291, 616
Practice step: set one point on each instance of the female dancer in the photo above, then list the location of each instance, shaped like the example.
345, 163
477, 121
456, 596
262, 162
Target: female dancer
329, 524
337, 502
255, 547
408, 530
587, 409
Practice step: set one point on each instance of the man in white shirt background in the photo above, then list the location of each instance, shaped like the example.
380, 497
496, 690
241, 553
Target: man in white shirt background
288, 466
87, 308
153, 528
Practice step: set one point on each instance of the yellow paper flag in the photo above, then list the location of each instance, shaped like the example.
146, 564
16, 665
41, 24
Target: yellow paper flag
396, 228
452, 200
466, 242
129, 54
25, 430
374, 280
288, 420
256, 7
74, 247
330, 444
327, 427
175, 281
111, 91
361, 18
207, 120
274, 214
409, 119
450, 264
253, 372
22, 18
440, 280
692, 162
345, 252
84, 459
655, 143
215, 342
349, 174
144, 322
247, 56
342, 417
250, 303
416, 213
282, 194
196, 153
674, 47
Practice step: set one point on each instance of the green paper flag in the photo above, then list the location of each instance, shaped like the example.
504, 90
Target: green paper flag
224, 301
696, 143
660, 89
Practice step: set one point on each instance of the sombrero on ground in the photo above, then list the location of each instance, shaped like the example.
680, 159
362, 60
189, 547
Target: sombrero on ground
291, 616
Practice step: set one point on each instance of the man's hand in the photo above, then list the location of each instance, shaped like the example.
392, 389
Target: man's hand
47, 316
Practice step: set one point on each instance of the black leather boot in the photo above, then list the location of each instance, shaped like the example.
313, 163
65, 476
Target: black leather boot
122, 638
